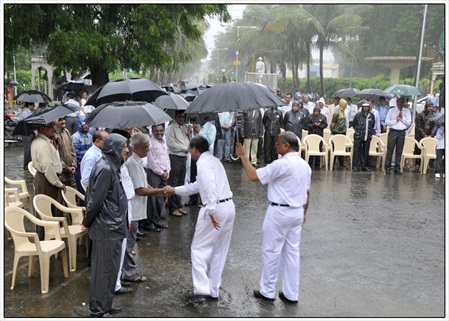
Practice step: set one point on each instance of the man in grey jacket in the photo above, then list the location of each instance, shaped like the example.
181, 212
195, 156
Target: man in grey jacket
106, 221
252, 131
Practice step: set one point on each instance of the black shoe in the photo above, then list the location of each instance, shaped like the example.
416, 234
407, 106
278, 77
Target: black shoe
189, 203
163, 217
125, 283
387, 171
115, 309
154, 229
160, 225
138, 239
283, 298
123, 290
366, 169
397, 171
259, 295
140, 234
212, 298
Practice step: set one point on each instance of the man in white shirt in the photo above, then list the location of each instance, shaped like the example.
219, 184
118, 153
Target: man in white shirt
398, 120
213, 229
309, 105
435, 99
288, 104
352, 110
288, 180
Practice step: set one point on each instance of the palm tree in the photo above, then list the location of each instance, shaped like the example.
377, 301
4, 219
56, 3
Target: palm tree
331, 24
288, 26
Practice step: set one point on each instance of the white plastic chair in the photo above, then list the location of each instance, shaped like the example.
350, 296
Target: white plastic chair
377, 149
70, 197
43, 205
15, 223
312, 143
429, 151
31, 169
408, 152
340, 145
23, 194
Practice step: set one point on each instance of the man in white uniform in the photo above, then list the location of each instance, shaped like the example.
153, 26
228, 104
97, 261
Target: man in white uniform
213, 229
288, 180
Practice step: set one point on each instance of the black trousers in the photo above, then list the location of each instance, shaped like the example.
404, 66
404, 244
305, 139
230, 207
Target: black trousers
155, 204
361, 153
177, 177
103, 275
26, 142
193, 172
396, 138
270, 150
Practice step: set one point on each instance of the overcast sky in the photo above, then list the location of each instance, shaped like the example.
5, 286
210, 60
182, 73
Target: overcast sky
236, 11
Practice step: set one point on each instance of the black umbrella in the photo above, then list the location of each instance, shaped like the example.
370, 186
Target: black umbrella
76, 87
374, 93
32, 96
124, 114
234, 97
171, 101
346, 92
40, 117
135, 89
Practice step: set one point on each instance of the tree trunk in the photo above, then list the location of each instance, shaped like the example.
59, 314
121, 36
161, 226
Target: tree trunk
309, 88
323, 90
295, 76
99, 75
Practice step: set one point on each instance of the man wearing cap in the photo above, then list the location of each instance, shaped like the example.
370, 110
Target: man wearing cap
46, 160
363, 131
288, 180
325, 111
398, 119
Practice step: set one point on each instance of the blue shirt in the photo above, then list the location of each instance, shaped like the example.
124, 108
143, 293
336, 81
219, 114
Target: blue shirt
209, 131
88, 161
383, 111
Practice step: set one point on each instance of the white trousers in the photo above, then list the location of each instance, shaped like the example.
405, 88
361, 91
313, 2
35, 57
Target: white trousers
250, 145
281, 238
210, 248
118, 285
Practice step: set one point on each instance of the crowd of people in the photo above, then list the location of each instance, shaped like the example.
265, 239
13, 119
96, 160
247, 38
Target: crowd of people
129, 175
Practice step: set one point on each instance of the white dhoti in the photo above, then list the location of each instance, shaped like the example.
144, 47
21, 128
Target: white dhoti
281, 238
210, 249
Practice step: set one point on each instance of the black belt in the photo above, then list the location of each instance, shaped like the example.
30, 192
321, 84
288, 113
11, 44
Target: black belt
222, 201
276, 204
397, 130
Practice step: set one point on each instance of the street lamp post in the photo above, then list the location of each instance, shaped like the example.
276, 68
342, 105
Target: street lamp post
237, 62
218, 59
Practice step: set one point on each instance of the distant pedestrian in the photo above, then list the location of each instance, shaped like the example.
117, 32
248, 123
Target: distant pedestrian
439, 168
363, 131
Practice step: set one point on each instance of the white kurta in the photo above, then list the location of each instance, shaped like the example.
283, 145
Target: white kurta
210, 246
288, 180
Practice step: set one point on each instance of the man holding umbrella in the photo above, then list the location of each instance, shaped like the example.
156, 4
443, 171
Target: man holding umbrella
46, 160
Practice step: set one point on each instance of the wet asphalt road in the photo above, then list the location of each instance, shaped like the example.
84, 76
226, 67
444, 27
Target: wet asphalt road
373, 246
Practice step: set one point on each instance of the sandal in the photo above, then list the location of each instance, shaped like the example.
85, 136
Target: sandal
139, 279
176, 213
182, 211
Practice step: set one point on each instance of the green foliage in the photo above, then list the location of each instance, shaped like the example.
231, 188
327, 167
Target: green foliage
23, 78
102, 37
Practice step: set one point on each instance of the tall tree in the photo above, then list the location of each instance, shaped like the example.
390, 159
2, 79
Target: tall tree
332, 24
103, 37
